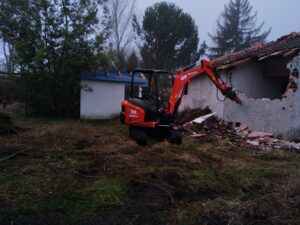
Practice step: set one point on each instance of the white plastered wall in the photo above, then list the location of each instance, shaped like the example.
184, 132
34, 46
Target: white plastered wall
103, 101
202, 93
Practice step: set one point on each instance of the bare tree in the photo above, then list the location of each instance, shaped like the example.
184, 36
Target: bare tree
8, 63
121, 13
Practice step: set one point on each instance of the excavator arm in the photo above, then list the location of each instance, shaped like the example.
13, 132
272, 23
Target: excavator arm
183, 77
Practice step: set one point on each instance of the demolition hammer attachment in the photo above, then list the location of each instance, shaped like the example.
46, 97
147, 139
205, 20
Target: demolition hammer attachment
232, 95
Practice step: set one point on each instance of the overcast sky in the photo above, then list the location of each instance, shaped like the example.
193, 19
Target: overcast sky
280, 15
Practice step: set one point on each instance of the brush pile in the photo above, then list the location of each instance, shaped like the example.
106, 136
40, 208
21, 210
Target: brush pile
7, 126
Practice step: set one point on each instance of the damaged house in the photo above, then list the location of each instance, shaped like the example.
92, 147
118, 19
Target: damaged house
266, 75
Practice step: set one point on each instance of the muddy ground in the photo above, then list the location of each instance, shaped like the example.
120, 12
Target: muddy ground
88, 173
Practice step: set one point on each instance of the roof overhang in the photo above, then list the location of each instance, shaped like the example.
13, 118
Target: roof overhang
286, 46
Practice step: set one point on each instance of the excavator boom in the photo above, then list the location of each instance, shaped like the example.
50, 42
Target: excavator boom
183, 77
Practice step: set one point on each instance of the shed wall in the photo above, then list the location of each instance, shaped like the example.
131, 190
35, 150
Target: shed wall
202, 93
103, 102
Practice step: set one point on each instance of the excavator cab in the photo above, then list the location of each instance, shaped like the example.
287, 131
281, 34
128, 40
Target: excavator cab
147, 105
154, 96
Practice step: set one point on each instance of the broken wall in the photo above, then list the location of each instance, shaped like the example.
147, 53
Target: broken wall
249, 78
279, 116
263, 107
294, 67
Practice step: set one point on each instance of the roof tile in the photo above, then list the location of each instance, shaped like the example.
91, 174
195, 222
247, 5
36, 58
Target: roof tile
283, 44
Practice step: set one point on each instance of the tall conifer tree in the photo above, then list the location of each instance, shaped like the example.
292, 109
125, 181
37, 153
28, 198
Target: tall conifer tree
237, 29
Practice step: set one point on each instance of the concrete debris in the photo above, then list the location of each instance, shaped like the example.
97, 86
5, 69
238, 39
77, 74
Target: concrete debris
255, 143
201, 119
198, 135
234, 133
189, 130
265, 140
193, 133
242, 128
259, 134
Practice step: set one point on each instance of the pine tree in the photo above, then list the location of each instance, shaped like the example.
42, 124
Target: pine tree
236, 29
169, 37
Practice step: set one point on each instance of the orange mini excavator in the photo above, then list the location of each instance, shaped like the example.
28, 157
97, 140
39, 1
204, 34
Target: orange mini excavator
151, 110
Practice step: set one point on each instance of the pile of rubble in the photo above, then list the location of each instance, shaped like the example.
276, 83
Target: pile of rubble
264, 139
200, 123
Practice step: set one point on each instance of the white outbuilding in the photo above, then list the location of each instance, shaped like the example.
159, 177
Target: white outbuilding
102, 93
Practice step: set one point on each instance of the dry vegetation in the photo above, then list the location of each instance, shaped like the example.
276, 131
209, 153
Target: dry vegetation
92, 173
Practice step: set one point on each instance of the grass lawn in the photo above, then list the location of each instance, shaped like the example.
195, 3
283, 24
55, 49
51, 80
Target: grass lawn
90, 172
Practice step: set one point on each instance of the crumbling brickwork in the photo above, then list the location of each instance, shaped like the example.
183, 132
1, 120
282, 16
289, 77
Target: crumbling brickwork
294, 132
292, 86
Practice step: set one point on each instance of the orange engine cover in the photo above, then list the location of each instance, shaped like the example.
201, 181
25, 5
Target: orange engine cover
135, 116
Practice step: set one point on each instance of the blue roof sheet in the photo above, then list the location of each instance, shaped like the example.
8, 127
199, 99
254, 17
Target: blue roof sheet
114, 77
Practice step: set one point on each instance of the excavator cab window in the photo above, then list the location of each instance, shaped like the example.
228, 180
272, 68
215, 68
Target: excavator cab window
158, 88
186, 90
164, 87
